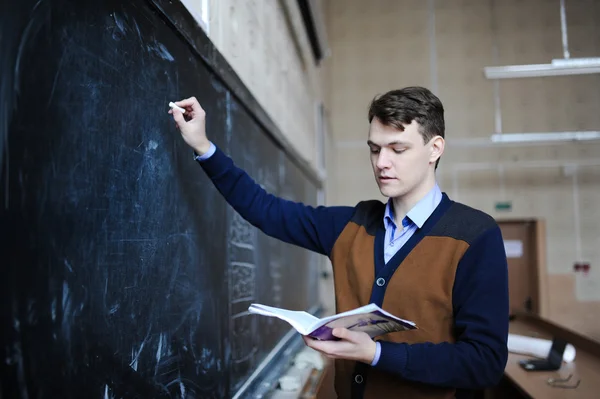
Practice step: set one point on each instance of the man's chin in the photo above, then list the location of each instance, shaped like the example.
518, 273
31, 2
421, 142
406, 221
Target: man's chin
389, 192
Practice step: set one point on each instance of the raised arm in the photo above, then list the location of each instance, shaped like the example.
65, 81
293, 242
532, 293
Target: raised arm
313, 228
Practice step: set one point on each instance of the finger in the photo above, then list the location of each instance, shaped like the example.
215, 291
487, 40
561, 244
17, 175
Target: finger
312, 343
186, 102
341, 333
309, 341
350, 336
190, 104
178, 117
325, 347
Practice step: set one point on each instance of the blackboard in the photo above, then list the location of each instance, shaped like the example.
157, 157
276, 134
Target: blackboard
124, 272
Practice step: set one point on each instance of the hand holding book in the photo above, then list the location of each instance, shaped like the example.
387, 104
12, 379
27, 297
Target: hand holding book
349, 345
347, 335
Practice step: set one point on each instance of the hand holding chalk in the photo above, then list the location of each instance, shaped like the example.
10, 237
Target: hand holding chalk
192, 126
174, 106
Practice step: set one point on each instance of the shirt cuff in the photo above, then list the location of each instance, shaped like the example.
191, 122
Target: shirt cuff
207, 154
377, 354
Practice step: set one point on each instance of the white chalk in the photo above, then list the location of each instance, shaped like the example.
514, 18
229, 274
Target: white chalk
172, 105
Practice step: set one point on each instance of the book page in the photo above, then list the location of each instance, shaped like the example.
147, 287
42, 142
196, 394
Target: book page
374, 324
366, 309
302, 321
362, 310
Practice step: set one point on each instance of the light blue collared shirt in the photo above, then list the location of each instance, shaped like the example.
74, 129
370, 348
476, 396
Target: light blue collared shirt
414, 219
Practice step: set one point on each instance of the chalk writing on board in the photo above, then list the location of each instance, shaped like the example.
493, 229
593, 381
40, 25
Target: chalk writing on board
243, 273
243, 276
268, 177
244, 332
241, 233
242, 288
276, 276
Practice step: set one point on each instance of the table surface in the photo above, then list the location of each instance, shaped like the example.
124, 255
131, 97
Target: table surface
585, 367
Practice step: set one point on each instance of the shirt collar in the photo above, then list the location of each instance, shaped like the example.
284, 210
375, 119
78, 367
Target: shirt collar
420, 212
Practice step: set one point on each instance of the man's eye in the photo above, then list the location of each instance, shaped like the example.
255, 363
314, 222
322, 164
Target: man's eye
374, 151
397, 151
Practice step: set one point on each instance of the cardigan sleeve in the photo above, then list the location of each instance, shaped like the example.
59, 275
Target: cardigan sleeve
313, 228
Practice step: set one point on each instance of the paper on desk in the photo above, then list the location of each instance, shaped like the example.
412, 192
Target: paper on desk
537, 347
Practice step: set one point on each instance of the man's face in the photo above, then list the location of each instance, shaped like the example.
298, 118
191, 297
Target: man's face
400, 160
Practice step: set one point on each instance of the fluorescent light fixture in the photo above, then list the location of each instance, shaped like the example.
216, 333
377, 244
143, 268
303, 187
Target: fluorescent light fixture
558, 67
589, 62
541, 137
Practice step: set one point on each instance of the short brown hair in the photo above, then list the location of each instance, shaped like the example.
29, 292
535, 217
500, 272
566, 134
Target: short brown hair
397, 108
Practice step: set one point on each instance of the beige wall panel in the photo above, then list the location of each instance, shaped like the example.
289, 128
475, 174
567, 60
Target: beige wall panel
260, 44
374, 51
564, 308
354, 177
588, 181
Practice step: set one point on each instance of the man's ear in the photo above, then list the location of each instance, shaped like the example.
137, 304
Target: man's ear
437, 148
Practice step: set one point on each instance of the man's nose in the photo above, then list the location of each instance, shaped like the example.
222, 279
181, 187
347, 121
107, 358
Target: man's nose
383, 159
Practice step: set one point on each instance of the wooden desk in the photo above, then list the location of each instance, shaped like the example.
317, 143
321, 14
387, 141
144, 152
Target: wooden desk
585, 367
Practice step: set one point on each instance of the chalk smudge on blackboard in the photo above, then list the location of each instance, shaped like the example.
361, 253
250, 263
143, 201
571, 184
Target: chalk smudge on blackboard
160, 50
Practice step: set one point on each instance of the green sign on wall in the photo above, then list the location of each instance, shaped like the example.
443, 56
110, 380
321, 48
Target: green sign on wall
503, 206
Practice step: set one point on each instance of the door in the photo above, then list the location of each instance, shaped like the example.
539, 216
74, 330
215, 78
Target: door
520, 245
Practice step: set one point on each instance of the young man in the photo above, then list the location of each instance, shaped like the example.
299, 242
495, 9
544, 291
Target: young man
420, 256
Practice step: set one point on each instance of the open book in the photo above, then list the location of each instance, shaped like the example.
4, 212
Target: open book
369, 318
